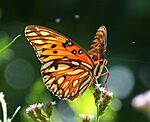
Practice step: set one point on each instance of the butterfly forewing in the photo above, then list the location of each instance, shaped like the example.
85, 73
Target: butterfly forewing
67, 69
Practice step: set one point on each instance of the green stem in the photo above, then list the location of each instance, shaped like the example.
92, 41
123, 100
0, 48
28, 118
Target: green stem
10, 43
98, 116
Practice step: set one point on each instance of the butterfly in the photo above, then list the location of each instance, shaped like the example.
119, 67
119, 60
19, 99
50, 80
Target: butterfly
67, 69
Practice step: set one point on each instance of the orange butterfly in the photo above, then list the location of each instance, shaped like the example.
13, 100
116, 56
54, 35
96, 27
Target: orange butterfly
67, 69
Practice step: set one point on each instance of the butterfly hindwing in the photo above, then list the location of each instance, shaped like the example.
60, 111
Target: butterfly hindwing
98, 50
66, 79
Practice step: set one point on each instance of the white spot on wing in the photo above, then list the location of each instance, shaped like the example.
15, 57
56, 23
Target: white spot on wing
31, 34
38, 49
87, 65
60, 67
63, 66
65, 84
44, 33
77, 71
66, 92
85, 82
37, 29
54, 88
37, 41
75, 63
60, 92
84, 74
45, 78
75, 83
76, 90
26, 31
52, 69
57, 93
47, 65
65, 59
72, 94
38, 52
60, 80
50, 81
83, 89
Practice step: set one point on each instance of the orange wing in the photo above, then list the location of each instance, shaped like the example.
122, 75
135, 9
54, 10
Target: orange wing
98, 50
67, 69
99, 44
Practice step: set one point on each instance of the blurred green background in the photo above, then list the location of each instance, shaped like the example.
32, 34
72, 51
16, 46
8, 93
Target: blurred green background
127, 23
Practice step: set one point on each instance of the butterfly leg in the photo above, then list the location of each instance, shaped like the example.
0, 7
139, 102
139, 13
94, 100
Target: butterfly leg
107, 74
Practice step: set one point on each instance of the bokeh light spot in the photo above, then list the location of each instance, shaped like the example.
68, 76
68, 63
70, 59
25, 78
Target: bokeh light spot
144, 75
6, 55
76, 16
64, 110
116, 104
57, 20
19, 74
121, 81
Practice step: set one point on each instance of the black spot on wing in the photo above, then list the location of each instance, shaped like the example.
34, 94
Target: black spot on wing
74, 52
67, 43
56, 67
80, 51
55, 51
53, 46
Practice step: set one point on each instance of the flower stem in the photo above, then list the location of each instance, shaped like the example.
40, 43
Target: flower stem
16, 111
4, 107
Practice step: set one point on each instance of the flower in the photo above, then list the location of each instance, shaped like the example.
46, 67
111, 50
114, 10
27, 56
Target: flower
86, 118
41, 112
142, 101
102, 98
